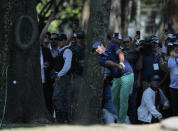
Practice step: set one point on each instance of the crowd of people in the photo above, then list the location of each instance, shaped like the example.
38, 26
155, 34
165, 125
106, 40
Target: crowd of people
140, 76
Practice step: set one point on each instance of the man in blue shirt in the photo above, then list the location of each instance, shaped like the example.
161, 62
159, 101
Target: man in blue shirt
113, 58
173, 67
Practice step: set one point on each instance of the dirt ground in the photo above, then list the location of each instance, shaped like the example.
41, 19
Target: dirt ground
169, 123
114, 127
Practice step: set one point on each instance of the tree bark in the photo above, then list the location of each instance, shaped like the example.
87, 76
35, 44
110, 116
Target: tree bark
170, 14
25, 100
92, 82
85, 15
150, 23
138, 12
126, 6
115, 17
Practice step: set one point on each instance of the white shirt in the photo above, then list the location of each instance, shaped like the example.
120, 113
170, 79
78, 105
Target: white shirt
54, 53
67, 56
147, 108
164, 48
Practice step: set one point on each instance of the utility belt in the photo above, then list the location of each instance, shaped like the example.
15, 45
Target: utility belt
54, 75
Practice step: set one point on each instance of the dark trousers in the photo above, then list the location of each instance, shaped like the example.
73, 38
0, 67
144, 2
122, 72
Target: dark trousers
48, 93
62, 117
174, 98
62, 99
153, 120
132, 110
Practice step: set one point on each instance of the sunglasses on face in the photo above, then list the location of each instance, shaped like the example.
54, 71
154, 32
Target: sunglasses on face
126, 41
54, 39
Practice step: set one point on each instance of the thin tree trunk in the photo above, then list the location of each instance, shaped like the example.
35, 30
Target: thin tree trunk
151, 27
138, 12
85, 15
126, 14
92, 82
115, 17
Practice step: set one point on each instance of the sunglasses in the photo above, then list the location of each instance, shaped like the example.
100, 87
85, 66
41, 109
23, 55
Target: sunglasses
126, 41
54, 39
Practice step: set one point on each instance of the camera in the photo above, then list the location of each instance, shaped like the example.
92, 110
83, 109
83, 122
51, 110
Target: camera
74, 37
80, 35
137, 32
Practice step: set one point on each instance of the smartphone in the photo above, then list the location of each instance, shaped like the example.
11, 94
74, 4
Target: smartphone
166, 31
137, 32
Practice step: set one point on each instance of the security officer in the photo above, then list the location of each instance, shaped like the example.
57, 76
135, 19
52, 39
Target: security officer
62, 85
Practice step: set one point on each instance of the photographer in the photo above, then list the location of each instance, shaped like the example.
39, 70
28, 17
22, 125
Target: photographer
149, 62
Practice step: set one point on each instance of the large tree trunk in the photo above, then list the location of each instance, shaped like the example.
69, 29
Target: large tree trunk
25, 100
92, 83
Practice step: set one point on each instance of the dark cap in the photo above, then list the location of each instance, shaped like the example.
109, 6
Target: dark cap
155, 78
76, 22
176, 42
80, 35
62, 37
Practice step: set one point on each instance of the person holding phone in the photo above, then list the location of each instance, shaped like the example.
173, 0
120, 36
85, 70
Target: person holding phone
137, 39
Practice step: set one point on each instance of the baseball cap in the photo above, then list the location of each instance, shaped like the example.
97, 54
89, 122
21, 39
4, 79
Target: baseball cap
170, 36
62, 37
117, 35
96, 44
155, 78
176, 42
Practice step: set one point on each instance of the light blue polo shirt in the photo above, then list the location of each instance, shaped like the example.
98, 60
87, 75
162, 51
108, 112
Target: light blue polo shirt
173, 66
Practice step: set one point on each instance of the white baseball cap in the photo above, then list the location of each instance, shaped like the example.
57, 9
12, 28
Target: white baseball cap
176, 42
117, 35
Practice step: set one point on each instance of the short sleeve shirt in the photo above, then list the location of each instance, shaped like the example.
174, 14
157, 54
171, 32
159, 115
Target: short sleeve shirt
173, 66
110, 54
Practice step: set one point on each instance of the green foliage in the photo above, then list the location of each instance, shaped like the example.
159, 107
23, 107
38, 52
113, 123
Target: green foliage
149, 2
68, 10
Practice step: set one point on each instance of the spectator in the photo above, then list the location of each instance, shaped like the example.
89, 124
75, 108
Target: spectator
117, 39
45, 35
132, 56
62, 85
46, 65
108, 110
152, 101
149, 62
173, 67
54, 45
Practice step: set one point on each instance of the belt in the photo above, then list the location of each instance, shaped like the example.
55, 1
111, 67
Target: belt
127, 73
